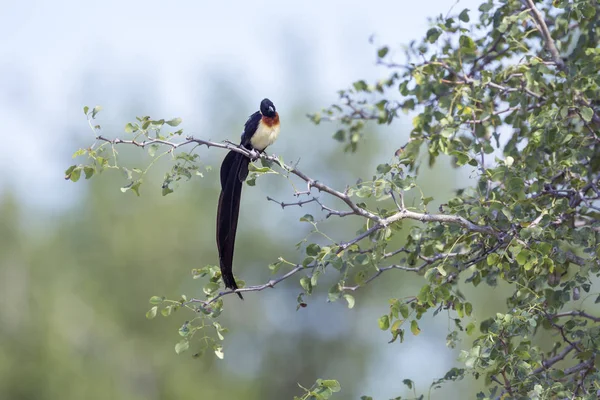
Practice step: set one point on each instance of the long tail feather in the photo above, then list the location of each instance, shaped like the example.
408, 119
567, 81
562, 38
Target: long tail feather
234, 170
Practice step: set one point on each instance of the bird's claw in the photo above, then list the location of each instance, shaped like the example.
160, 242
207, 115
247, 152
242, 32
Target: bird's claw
254, 155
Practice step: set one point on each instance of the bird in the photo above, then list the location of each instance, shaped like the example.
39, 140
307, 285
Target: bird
260, 131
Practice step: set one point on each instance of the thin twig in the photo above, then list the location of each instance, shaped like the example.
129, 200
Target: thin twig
297, 203
559, 357
575, 313
381, 271
257, 288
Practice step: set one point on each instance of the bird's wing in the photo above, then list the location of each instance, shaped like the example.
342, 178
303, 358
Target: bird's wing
250, 127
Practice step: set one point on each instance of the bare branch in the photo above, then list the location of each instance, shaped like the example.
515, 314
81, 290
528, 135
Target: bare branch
559, 357
441, 218
297, 203
543, 28
331, 211
576, 368
257, 288
324, 188
374, 228
174, 145
575, 313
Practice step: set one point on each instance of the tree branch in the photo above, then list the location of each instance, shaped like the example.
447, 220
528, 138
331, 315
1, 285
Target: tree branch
543, 28
575, 313
257, 288
559, 357
381, 271
379, 222
444, 219
296, 203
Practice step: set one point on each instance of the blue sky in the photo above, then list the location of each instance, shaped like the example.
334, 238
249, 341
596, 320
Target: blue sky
56, 57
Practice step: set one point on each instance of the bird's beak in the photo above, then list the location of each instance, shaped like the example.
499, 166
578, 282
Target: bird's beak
271, 109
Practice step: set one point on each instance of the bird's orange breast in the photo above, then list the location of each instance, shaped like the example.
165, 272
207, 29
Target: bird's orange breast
271, 121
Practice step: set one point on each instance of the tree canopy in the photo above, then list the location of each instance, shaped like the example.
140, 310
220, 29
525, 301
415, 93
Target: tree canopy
509, 93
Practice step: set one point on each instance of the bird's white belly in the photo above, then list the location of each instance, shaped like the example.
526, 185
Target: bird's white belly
264, 136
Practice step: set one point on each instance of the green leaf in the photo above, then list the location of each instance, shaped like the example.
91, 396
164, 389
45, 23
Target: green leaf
79, 152
182, 346
588, 10
384, 322
523, 256
382, 52
274, 267
340, 135
384, 168
360, 86
313, 249
260, 170
166, 190
470, 328
130, 128
331, 384
334, 293
135, 187
307, 218
219, 351
350, 299
69, 171
75, 174
414, 327
306, 284
587, 114
464, 15
96, 110
156, 300
468, 309
152, 312
404, 311
467, 44
89, 171
85, 110
152, 150
433, 34
184, 330
316, 118
396, 325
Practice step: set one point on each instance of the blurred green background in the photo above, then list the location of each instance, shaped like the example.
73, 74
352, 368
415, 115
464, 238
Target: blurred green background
78, 262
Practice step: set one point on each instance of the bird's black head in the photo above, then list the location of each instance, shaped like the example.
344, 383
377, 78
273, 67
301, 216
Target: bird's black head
267, 108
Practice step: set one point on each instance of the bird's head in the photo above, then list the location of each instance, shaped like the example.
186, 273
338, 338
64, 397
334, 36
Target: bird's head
267, 108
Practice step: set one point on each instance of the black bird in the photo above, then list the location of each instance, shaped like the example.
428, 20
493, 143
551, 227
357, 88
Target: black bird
260, 131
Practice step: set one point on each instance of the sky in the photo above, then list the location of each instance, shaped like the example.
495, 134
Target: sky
166, 58
56, 57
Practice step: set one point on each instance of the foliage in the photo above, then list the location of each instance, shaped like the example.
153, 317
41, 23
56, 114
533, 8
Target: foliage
512, 98
321, 390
